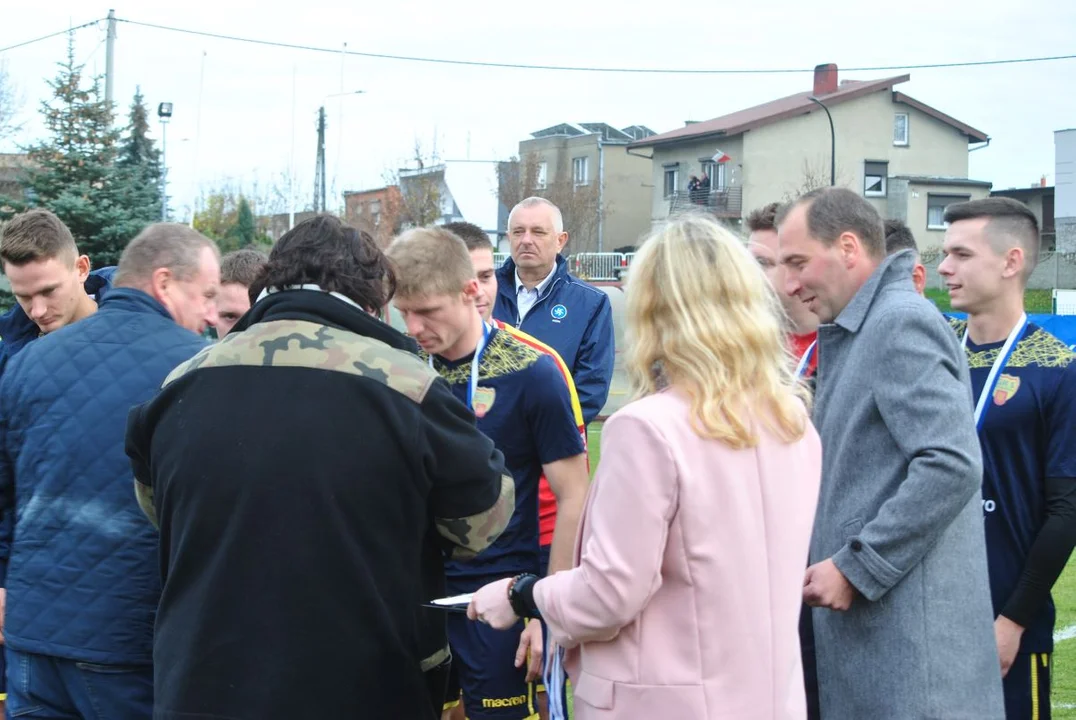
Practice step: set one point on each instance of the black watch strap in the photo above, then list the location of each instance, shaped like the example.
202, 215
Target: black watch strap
521, 596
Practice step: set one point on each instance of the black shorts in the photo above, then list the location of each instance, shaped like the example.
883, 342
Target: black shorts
1027, 687
483, 662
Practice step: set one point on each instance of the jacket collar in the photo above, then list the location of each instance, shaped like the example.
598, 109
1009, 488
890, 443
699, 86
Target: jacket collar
895, 268
506, 279
322, 308
133, 300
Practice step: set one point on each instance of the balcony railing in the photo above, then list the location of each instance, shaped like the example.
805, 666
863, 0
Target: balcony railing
724, 202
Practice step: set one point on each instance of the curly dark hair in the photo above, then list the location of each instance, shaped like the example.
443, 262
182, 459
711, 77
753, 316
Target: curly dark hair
324, 251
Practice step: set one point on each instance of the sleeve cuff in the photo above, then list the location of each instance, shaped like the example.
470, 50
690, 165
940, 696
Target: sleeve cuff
866, 570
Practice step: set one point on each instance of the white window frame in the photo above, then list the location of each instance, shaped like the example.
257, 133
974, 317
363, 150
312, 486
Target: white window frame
907, 129
717, 175
675, 181
581, 178
884, 178
543, 175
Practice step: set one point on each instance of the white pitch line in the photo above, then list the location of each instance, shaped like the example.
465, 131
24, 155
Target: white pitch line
1065, 633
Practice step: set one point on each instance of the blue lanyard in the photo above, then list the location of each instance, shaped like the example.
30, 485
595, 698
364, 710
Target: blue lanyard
472, 385
801, 368
995, 372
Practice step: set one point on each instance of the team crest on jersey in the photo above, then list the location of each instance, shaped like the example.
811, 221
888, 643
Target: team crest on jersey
483, 401
559, 312
1006, 389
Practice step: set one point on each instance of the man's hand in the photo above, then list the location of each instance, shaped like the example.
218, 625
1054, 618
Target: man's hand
826, 586
1008, 635
531, 642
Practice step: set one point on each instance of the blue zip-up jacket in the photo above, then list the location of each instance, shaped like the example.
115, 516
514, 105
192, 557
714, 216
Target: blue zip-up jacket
17, 329
576, 320
83, 580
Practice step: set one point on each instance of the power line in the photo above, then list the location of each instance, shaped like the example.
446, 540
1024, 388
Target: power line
51, 35
573, 68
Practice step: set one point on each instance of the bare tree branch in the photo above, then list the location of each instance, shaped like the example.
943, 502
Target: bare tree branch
10, 104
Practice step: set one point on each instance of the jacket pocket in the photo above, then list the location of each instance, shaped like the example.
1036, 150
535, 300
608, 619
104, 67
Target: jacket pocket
650, 701
872, 610
594, 691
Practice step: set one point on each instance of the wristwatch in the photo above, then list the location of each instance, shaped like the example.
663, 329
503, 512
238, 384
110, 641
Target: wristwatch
521, 595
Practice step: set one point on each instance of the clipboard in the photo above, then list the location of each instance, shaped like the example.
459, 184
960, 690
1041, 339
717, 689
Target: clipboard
454, 604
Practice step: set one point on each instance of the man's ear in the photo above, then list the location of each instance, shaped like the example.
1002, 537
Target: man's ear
1014, 262
562, 240
850, 247
470, 290
919, 278
160, 283
82, 266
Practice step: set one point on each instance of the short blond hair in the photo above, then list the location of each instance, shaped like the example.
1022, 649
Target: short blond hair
430, 261
702, 316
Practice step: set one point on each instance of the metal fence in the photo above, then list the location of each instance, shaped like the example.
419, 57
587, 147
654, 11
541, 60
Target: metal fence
1055, 270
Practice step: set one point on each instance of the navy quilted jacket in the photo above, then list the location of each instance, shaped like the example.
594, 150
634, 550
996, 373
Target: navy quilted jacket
82, 573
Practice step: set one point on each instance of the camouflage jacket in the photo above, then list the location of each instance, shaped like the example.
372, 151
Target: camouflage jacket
310, 454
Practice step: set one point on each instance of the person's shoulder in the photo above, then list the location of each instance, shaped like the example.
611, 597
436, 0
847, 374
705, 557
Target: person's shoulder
529, 340
303, 344
898, 312
509, 353
1043, 349
656, 409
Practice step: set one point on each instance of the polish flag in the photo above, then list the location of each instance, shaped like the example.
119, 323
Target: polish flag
721, 157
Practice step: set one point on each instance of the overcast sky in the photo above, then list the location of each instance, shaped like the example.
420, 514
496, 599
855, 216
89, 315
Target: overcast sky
243, 131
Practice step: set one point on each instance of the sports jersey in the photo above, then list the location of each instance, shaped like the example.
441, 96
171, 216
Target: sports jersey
1028, 434
523, 405
800, 344
547, 501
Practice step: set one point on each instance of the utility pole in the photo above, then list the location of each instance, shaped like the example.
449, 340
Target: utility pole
319, 170
110, 51
601, 192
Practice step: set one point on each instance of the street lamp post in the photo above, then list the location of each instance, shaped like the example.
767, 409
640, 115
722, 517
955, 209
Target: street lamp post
164, 113
832, 141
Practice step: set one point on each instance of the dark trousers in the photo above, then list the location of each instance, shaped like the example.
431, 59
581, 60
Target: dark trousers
810, 666
1027, 687
46, 687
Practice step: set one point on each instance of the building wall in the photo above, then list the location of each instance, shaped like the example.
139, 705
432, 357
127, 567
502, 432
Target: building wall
627, 198
918, 200
1065, 189
783, 159
688, 155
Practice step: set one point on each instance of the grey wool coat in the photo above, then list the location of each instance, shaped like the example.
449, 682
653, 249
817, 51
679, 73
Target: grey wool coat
900, 514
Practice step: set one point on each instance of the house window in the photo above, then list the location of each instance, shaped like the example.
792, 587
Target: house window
579, 170
672, 181
543, 171
936, 205
900, 129
716, 173
874, 176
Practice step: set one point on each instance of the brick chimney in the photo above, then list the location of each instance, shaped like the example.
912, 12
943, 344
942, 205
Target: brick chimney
825, 79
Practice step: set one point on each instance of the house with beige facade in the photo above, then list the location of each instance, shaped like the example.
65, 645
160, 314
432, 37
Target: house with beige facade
909, 159
603, 191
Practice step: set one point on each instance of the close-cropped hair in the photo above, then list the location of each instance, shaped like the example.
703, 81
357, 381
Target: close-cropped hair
430, 261
1009, 223
702, 317
36, 235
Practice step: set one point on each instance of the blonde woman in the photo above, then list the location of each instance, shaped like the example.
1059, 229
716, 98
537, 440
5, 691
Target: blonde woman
686, 591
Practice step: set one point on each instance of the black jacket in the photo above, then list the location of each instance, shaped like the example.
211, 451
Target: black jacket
306, 472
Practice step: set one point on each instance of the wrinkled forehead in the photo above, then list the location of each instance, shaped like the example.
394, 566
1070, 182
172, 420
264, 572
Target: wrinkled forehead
535, 217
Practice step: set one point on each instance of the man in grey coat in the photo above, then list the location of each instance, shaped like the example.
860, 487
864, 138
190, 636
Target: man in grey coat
898, 579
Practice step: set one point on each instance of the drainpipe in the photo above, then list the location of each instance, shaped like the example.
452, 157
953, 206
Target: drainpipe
601, 191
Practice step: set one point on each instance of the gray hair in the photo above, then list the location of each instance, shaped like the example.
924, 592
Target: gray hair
162, 245
558, 218
833, 211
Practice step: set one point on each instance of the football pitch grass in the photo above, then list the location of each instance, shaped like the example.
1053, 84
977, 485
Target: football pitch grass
1063, 662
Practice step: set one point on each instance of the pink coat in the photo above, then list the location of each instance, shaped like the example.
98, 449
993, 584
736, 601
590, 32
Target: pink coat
684, 602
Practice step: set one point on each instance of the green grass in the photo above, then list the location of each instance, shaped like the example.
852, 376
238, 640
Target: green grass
1036, 301
1063, 662
1063, 677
